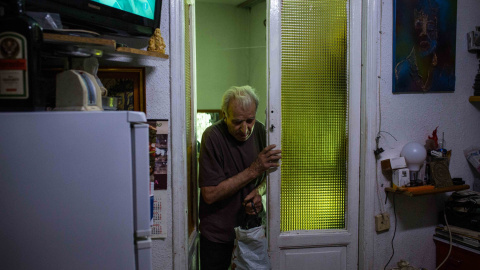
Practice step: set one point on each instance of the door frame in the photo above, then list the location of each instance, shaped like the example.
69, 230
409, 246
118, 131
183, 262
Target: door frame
180, 246
349, 237
370, 73
371, 45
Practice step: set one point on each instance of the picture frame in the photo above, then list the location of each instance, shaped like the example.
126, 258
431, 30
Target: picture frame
424, 44
127, 84
158, 152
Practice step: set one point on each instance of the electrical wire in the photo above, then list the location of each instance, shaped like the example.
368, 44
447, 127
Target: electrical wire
394, 232
380, 71
387, 133
450, 241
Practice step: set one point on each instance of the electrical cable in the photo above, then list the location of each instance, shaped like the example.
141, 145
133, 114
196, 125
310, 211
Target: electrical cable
394, 232
388, 134
450, 240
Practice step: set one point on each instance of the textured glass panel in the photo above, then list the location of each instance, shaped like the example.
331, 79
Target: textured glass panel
314, 114
191, 159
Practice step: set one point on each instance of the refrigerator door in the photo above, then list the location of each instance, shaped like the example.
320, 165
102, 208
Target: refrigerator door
66, 190
141, 180
144, 254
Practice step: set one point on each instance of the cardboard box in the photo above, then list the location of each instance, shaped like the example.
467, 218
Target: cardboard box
398, 163
401, 177
392, 164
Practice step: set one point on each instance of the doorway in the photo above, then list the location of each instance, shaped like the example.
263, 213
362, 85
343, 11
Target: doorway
230, 50
224, 60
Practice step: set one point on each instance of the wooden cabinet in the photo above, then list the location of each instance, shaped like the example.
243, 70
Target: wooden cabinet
461, 257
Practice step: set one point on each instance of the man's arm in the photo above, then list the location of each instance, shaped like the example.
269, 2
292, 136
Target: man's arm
266, 159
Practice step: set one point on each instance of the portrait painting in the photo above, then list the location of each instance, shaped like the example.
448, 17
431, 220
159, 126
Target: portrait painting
424, 46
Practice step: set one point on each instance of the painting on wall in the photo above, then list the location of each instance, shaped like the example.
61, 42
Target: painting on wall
424, 46
127, 84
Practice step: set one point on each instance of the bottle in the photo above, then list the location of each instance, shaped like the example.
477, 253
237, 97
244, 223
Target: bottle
21, 39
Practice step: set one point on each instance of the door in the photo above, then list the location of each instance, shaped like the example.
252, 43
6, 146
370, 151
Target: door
314, 115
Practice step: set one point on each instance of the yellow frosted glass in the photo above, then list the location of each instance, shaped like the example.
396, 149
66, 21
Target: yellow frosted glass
314, 115
191, 154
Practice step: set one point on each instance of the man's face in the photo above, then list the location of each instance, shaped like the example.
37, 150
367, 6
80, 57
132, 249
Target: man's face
426, 32
240, 121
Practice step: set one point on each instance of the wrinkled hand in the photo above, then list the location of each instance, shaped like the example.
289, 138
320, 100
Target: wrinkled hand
267, 159
257, 201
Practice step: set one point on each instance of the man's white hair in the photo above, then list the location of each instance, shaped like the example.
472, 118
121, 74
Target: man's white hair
245, 95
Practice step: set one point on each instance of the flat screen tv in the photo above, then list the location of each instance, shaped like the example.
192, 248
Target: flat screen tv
117, 17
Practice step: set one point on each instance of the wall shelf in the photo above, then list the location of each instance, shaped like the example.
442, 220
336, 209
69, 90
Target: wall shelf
413, 192
474, 99
108, 46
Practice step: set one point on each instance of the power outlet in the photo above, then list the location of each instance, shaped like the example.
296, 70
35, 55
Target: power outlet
382, 222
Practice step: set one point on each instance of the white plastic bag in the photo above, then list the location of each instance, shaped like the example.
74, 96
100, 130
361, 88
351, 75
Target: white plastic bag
250, 250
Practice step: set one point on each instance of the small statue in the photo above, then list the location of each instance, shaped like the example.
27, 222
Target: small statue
156, 43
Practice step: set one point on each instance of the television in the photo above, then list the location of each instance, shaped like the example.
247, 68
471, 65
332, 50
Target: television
116, 17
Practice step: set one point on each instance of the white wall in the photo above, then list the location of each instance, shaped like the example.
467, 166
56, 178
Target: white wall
258, 56
231, 51
222, 36
158, 107
413, 117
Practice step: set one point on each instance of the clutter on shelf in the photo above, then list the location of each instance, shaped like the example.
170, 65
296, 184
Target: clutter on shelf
472, 154
423, 165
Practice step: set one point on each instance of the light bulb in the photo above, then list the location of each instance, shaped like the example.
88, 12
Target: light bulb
414, 154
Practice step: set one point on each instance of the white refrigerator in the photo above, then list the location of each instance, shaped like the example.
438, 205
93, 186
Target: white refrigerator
74, 191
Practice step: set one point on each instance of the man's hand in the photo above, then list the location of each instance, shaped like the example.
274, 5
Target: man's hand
266, 159
257, 201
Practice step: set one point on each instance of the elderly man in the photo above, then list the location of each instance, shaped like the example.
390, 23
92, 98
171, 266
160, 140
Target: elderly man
233, 161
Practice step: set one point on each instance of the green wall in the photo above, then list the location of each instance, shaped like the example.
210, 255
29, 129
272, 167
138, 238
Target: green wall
230, 52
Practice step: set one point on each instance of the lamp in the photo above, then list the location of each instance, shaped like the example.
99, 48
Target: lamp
414, 154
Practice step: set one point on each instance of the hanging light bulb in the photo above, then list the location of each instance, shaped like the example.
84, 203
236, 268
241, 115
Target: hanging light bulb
414, 154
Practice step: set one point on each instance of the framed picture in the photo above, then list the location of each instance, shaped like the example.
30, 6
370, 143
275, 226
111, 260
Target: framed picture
158, 150
127, 84
424, 43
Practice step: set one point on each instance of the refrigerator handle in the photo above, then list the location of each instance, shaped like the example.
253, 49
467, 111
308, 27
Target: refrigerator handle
141, 180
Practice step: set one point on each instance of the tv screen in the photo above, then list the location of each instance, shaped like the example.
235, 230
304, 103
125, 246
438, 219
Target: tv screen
142, 8
116, 17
